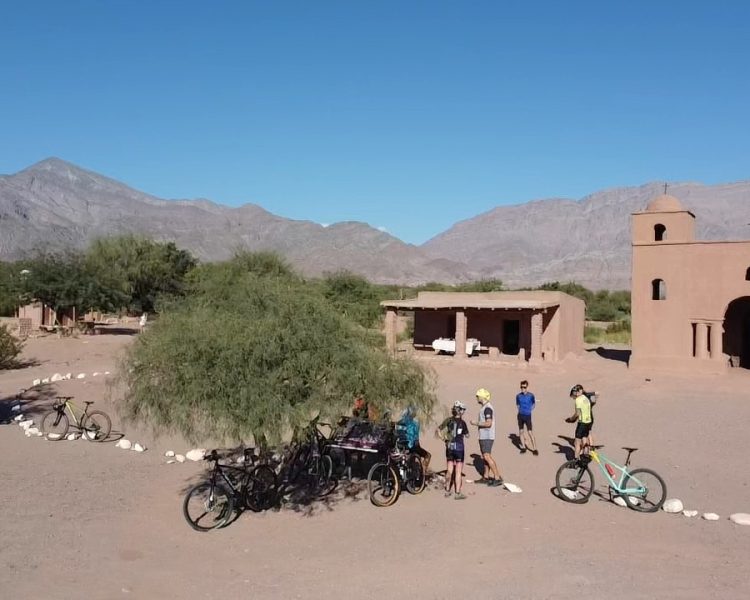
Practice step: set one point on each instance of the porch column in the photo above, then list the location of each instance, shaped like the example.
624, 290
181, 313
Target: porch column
390, 330
536, 338
701, 340
460, 335
717, 350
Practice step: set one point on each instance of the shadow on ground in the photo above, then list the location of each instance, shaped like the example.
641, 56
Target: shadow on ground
31, 403
612, 353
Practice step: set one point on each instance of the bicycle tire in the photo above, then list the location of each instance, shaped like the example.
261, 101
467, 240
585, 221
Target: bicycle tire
325, 482
55, 423
574, 482
298, 463
217, 500
260, 489
645, 503
383, 485
415, 476
96, 426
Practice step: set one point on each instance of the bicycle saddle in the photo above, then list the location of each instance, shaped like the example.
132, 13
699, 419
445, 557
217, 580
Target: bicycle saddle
629, 449
87, 402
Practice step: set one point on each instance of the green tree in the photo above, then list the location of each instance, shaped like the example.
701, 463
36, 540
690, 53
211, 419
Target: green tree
482, 285
140, 268
354, 296
248, 355
9, 288
10, 348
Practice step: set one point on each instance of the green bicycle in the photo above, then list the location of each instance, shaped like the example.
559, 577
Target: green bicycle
94, 425
642, 490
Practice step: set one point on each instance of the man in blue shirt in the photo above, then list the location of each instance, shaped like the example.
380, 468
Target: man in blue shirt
526, 402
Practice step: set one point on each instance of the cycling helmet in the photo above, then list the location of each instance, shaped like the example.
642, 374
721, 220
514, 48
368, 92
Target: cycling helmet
576, 390
458, 405
483, 394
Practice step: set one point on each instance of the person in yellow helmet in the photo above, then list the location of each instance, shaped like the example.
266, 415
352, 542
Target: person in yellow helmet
486, 426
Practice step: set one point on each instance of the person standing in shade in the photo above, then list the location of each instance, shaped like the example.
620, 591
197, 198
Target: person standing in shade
525, 401
453, 431
486, 426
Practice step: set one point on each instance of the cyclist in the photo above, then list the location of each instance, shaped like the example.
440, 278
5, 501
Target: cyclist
583, 416
407, 431
453, 431
486, 426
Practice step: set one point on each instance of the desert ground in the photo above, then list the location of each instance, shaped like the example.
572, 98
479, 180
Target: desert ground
89, 520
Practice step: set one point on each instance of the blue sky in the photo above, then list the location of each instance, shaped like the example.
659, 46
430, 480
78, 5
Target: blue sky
406, 115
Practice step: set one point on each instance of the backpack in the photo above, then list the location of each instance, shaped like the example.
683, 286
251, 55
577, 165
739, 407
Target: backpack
407, 431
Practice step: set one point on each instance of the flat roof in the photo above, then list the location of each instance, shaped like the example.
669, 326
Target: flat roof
535, 299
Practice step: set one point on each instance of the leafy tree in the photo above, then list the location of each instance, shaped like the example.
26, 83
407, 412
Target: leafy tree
10, 348
141, 269
354, 296
255, 355
63, 281
483, 285
9, 289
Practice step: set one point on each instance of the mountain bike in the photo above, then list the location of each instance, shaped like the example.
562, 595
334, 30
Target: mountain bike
309, 460
400, 469
94, 425
642, 490
211, 504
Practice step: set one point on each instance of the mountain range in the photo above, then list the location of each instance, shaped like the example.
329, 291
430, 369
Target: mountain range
55, 204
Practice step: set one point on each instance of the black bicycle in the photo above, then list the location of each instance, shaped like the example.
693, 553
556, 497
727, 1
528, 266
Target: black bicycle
211, 504
400, 469
309, 460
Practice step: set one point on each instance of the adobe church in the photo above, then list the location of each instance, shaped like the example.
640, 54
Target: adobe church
690, 298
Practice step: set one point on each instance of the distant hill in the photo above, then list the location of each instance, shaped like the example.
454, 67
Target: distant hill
54, 204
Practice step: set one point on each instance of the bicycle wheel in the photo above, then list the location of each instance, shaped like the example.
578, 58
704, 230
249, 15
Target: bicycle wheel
574, 482
383, 485
298, 463
207, 506
260, 490
322, 477
415, 479
648, 490
55, 425
96, 426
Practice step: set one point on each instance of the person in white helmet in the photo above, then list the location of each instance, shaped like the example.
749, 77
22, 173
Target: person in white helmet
453, 431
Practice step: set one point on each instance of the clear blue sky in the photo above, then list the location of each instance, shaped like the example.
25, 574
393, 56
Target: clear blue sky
406, 115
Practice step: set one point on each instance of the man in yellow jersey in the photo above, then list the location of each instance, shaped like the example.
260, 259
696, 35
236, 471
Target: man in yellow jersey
583, 416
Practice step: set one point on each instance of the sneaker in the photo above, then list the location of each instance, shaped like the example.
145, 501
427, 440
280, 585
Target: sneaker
459, 496
447, 494
484, 480
496, 482
523, 450
535, 452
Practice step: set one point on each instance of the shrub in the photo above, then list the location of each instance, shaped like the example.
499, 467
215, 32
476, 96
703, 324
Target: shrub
254, 355
10, 348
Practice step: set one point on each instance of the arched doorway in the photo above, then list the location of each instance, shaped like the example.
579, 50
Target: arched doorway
737, 332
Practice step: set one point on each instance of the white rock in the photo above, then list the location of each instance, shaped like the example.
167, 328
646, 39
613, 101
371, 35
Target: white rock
96, 374
673, 505
740, 518
53, 436
81, 376
196, 454
179, 458
18, 418
72, 437
26, 424
36, 382
56, 377
570, 494
68, 376
106, 372
690, 513
711, 516
39, 434
138, 448
15, 408
32, 430
124, 444
170, 462
169, 453
620, 501
45, 380
27, 433
512, 488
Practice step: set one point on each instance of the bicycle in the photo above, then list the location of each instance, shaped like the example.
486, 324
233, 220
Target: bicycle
400, 468
94, 425
309, 458
227, 489
642, 490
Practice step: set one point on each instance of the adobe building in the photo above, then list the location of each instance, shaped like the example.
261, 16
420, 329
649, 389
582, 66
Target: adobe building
43, 316
531, 326
690, 298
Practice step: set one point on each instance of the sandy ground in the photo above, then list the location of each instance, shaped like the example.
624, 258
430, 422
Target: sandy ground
90, 520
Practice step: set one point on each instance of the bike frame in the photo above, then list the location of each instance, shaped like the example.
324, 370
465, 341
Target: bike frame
68, 404
602, 461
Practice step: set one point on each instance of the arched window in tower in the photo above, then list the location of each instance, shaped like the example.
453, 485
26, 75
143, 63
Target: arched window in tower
660, 232
658, 289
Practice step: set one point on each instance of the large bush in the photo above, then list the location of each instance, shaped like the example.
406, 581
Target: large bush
256, 352
10, 348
